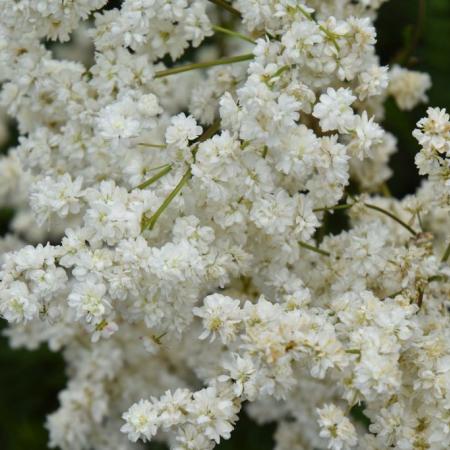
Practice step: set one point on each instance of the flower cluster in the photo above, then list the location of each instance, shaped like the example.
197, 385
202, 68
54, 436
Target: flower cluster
433, 135
172, 185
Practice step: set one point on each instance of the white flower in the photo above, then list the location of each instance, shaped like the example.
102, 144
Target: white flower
336, 428
334, 111
141, 421
301, 39
215, 414
306, 221
173, 406
433, 134
182, 129
89, 300
146, 213
221, 316
274, 212
104, 329
218, 158
433, 131
58, 195
242, 372
148, 105
190, 438
372, 82
17, 304
366, 135
408, 87
119, 120
112, 214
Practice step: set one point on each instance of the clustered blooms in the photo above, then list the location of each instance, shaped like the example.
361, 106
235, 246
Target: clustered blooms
187, 272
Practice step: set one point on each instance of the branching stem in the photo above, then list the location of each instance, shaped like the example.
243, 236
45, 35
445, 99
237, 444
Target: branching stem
389, 214
145, 144
166, 169
223, 4
203, 65
446, 254
334, 208
232, 33
149, 223
376, 208
314, 249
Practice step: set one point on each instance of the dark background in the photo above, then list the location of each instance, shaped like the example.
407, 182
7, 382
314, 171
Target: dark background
30, 381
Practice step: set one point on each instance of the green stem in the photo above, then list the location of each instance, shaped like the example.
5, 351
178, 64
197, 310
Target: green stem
281, 70
385, 190
270, 80
353, 351
438, 278
327, 33
306, 13
314, 249
145, 144
232, 33
446, 254
166, 169
223, 4
374, 207
203, 65
209, 132
334, 208
149, 223
389, 214
394, 294
419, 219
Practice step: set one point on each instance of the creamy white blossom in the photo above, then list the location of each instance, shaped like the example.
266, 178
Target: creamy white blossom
175, 236
335, 427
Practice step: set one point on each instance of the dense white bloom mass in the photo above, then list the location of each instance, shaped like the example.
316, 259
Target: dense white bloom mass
170, 232
336, 428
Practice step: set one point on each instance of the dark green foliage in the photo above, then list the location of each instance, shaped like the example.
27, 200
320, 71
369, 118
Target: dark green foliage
30, 383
